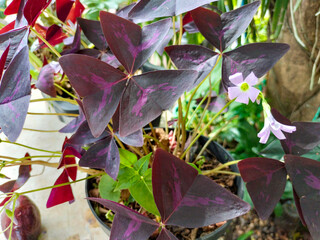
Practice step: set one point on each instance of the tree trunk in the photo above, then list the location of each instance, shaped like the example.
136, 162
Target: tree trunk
288, 85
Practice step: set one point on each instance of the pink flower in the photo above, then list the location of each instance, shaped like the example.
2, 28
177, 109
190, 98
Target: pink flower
270, 124
244, 88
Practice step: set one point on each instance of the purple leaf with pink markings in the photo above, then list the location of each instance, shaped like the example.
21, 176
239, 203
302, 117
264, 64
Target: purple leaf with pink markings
15, 93
127, 223
266, 180
63, 8
74, 124
14, 38
105, 155
193, 57
93, 31
33, 9
304, 174
129, 43
304, 139
99, 84
185, 198
147, 95
151, 9
258, 58
222, 31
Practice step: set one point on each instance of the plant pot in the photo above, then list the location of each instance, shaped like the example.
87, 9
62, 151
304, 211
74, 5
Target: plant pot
223, 156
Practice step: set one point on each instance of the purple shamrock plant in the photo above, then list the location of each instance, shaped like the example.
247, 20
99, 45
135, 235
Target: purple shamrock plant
156, 170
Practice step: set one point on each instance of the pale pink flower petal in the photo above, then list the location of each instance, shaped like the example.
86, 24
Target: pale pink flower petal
233, 92
251, 79
278, 133
243, 98
264, 134
236, 78
253, 93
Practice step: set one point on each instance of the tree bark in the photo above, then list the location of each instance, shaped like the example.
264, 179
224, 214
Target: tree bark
288, 86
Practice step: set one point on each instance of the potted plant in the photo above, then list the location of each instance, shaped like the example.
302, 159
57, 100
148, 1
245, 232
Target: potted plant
116, 101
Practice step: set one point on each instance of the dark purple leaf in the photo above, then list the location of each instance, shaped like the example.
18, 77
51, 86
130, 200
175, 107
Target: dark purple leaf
54, 35
21, 21
266, 179
258, 58
75, 12
124, 13
151, 9
33, 9
193, 57
24, 175
222, 31
76, 44
298, 206
99, 84
63, 8
303, 140
60, 194
15, 93
93, 31
166, 235
128, 224
110, 59
105, 155
3, 59
74, 124
187, 199
147, 95
45, 82
14, 37
129, 43
305, 177
90, 52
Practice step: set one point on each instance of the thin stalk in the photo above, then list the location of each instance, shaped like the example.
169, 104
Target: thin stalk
66, 91
32, 148
181, 30
152, 130
37, 130
199, 85
154, 139
223, 172
208, 172
115, 137
55, 114
12, 217
174, 38
74, 102
166, 123
204, 129
46, 42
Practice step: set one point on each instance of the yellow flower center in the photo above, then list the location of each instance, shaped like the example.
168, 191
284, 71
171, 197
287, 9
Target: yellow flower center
244, 87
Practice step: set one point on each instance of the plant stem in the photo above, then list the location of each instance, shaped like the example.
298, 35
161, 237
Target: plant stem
204, 129
181, 29
152, 130
55, 114
46, 42
36, 149
66, 91
37, 130
154, 139
74, 102
199, 85
217, 169
223, 172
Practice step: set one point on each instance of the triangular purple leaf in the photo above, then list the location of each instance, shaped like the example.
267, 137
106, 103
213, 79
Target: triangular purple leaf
305, 177
15, 90
99, 84
33, 9
129, 43
14, 37
266, 180
166, 235
105, 155
147, 95
258, 58
74, 124
128, 224
298, 206
76, 44
193, 57
3, 59
93, 31
187, 199
63, 8
151, 9
222, 31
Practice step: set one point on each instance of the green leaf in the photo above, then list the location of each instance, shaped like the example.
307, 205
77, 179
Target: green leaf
127, 158
142, 193
195, 167
245, 235
127, 177
3, 176
278, 210
142, 164
313, 154
107, 188
288, 192
273, 150
3, 5
9, 213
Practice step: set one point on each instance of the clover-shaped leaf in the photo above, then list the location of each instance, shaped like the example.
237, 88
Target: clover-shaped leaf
266, 180
151, 9
305, 176
15, 93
